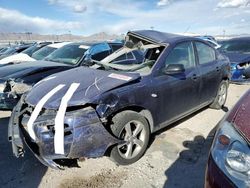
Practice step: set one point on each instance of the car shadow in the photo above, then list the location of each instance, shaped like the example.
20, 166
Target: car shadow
22, 172
191, 164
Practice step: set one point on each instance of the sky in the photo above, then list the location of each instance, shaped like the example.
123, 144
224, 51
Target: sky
85, 17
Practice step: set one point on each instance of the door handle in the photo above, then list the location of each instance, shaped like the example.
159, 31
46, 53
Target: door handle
195, 77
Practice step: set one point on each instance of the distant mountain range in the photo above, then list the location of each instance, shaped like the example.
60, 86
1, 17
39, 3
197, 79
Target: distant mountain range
17, 37
102, 36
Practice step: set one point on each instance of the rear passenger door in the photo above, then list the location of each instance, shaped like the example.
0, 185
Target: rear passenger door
209, 69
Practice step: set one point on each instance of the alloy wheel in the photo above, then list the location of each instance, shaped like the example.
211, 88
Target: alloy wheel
134, 135
222, 94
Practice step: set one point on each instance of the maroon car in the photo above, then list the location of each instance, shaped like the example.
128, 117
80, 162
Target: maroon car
229, 160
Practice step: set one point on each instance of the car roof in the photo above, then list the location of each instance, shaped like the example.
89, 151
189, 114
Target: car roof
238, 39
58, 45
159, 37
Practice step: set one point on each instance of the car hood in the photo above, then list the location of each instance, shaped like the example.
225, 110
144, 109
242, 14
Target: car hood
242, 118
26, 68
3, 56
16, 58
92, 82
237, 57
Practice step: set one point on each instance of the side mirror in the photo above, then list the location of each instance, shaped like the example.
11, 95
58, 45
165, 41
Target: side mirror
174, 69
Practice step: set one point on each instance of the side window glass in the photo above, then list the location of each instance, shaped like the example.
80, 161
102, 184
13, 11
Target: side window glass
182, 54
206, 54
115, 47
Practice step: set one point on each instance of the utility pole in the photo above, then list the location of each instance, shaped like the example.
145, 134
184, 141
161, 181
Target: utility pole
69, 35
224, 33
28, 34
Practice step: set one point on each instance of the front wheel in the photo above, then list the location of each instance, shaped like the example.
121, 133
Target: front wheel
221, 96
133, 128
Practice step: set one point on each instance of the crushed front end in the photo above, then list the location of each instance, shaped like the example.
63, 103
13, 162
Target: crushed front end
84, 135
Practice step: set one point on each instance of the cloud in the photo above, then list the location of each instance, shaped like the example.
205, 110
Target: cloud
115, 16
51, 2
14, 21
163, 3
125, 8
121, 27
233, 3
194, 17
80, 8
75, 6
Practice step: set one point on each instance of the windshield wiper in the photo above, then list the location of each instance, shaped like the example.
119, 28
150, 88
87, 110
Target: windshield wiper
55, 60
47, 59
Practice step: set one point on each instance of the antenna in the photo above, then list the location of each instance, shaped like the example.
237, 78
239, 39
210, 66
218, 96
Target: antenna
187, 29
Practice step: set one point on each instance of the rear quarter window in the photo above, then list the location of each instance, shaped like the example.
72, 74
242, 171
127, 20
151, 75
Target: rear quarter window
206, 54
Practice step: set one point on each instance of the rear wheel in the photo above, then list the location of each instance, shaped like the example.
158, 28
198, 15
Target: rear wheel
133, 128
221, 96
246, 73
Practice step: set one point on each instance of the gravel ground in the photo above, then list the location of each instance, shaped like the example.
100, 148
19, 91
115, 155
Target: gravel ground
176, 157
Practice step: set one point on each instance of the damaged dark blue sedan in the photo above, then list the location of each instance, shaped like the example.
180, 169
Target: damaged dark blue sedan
112, 109
238, 52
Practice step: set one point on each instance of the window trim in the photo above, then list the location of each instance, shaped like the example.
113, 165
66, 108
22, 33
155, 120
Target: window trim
197, 54
194, 53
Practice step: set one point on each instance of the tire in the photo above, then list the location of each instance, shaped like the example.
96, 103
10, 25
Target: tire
246, 73
221, 96
134, 129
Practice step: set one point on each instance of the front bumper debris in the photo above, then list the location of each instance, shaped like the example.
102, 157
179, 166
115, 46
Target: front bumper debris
84, 135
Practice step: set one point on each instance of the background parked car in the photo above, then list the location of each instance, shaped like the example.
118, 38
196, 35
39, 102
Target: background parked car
110, 107
238, 51
229, 160
19, 78
47, 50
13, 50
25, 55
3, 47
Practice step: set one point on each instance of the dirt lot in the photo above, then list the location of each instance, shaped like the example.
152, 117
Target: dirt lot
176, 158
